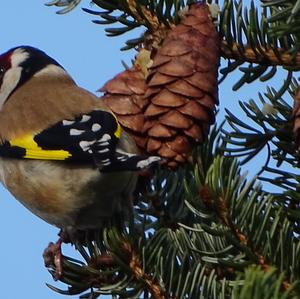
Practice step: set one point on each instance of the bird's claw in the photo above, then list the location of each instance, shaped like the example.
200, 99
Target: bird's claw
53, 257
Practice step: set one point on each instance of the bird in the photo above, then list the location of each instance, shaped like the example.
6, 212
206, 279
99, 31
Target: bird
63, 153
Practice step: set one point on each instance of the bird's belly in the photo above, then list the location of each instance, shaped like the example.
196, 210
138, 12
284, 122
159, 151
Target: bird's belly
66, 195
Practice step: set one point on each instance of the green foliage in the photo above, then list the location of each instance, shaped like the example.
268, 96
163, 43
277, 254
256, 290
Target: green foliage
248, 30
285, 18
144, 13
164, 12
194, 232
260, 284
67, 4
273, 117
206, 230
269, 118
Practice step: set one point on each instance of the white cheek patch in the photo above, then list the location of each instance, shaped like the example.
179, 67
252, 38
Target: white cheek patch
19, 55
10, 81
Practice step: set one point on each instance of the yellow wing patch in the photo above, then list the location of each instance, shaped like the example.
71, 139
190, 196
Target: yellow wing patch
33, 151
119, 129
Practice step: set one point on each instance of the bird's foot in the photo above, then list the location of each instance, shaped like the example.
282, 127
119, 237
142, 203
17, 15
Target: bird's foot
53, 257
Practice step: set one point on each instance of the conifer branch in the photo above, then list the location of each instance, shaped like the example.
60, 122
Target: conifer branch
200, 225
215, 199
223, 212
259, 55
135, 265
149, 18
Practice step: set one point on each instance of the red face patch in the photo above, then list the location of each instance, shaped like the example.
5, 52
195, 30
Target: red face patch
5, 64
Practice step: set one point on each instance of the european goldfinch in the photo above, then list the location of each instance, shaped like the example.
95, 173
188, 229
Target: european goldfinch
63, 154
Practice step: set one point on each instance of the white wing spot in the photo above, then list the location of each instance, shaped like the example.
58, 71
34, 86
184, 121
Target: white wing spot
68, 122
122, 158
75, 132
85, 118
105, 162
96, 127
85, 145
105, 137
145, 163
103, 151
124, 153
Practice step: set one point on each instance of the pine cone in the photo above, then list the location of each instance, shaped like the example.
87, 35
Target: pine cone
124, 95
182, 87
174, 108
296, 113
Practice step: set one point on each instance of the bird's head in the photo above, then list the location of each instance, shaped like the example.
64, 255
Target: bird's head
19, 64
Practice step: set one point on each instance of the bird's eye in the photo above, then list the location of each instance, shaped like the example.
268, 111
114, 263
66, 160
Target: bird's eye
2, 72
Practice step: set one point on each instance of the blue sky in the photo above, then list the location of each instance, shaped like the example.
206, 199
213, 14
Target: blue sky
91, 58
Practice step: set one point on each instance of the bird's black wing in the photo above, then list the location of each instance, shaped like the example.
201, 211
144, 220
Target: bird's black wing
90, 137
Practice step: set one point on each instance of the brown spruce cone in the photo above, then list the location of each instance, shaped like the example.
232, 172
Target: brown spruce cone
124, 95
182, 87
296, 113
174, 107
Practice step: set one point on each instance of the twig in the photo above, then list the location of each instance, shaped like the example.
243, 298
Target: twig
223, 213
149, 17
269, 56
137, 270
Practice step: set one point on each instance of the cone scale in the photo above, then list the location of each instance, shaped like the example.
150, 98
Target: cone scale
124, 95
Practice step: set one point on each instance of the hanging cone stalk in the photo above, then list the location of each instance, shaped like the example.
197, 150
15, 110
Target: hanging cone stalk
182, 87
